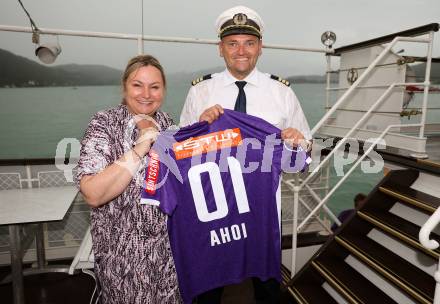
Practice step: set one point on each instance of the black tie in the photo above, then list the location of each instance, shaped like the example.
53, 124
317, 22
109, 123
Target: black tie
240, 103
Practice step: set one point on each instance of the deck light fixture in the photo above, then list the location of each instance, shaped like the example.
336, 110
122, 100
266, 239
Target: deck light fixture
47, 53
328, 38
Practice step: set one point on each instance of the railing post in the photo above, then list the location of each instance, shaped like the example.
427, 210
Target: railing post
335, 187
140, 41
426, 85
424, 233
295, 225
354, 86
327, 88
326, 209
437, 285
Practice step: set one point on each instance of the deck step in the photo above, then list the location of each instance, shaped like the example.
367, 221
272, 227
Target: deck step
430, 166
304, 239
354, 284
421, 200
399, 228
403, 274
429, 162
376, 257
307, 289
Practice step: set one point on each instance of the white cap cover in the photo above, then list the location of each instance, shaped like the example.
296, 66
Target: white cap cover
239, 19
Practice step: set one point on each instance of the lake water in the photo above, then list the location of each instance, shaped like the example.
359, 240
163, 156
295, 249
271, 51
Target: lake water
34, 120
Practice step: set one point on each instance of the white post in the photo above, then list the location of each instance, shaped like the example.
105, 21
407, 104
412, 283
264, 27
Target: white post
326, 209
424, 233
437, 285
140, 45
295, 225
354, 85
426, 85
335, 187
362, 77
327, 88
28, 176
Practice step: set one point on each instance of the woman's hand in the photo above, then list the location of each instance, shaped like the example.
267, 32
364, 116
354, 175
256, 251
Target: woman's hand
146, 138
147, 134
211, 114
101, 188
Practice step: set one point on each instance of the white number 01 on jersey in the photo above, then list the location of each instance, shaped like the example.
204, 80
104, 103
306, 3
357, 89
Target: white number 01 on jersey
194, 176
225, 234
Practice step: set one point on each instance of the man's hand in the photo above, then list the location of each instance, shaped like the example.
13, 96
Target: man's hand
211, 114
292, 136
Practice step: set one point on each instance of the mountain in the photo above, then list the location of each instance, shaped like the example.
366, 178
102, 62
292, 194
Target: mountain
17, 71
312, 79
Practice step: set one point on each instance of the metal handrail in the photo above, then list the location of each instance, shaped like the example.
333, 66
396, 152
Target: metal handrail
424, 233
426, 230
323, 201
315, 196
329, 113
141, 38
366, 115
426, 89
344, 97
338, 145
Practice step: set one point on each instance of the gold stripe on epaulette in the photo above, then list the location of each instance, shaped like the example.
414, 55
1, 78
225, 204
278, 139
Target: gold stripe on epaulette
279, 79
200, 79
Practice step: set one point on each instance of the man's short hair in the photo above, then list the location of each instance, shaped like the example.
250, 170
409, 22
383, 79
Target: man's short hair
359, 198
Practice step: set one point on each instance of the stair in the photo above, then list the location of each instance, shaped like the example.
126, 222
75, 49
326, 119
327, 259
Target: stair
413, 197
376, 256
308, 288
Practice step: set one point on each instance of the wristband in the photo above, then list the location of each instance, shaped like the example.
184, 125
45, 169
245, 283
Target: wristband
134, 151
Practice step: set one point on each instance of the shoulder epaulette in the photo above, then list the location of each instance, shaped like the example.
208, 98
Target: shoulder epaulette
196, 81
284, 81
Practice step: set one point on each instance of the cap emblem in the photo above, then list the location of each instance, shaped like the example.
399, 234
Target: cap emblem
240, 19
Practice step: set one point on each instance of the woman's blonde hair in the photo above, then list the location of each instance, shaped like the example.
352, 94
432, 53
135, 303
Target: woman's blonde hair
139, 62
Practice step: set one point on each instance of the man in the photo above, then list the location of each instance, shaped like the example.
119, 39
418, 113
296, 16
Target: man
266, 96
345, 214
243, 88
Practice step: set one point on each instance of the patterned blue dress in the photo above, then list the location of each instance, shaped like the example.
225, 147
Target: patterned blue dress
133, 259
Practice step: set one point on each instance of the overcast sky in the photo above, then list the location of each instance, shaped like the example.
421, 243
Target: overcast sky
290, 22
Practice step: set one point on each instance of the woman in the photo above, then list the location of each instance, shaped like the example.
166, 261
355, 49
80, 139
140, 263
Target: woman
133, 258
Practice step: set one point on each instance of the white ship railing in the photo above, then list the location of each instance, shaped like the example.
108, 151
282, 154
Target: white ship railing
141, 38
424, 233
429, 40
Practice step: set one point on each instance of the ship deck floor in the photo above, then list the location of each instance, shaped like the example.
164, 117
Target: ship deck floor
54, 288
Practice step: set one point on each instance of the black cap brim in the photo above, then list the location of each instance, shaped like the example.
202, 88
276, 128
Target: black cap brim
240, 31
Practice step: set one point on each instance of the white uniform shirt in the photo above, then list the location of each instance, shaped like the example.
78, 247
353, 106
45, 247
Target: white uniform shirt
266, 98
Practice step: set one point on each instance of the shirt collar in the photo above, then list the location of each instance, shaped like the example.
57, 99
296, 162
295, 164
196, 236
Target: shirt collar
252, 78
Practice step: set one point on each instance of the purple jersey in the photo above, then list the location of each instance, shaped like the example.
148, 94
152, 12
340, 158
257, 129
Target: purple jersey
223, 220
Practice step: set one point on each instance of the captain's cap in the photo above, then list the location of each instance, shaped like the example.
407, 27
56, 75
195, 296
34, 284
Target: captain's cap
239, 20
